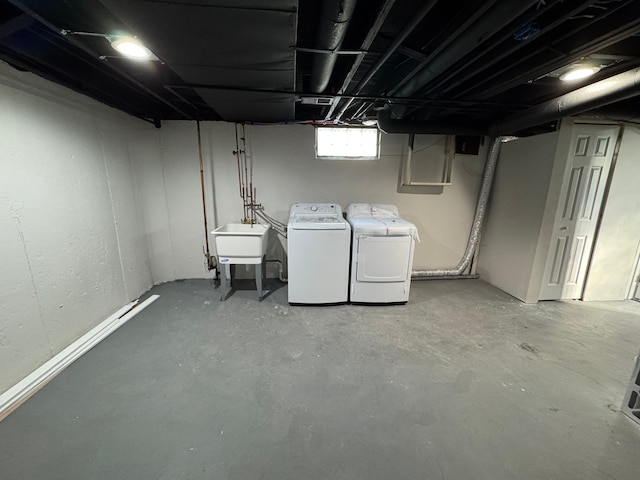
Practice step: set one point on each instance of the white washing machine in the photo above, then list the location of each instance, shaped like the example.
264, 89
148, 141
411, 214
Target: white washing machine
318, 244
382, 254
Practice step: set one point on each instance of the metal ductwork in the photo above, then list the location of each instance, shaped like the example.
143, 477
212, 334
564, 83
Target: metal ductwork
604, 92
478, 221
393, 46
613, 89
387, 125
500, 15
334, 22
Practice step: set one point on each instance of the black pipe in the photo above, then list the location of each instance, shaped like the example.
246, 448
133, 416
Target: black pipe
334, 22
87, 50
601, 43
500, 15
366, 44
490, 60
613, 89
387, 125
404, 33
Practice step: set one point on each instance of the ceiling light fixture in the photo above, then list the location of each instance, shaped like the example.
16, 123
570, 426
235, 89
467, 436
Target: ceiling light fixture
578, 72
132, 48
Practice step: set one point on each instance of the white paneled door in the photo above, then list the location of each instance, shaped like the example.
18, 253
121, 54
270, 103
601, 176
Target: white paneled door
581, 195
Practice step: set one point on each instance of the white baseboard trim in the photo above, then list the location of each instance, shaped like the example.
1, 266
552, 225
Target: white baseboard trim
28, 386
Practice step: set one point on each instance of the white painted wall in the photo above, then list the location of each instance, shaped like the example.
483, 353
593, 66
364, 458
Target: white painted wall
167, 170
286, 171
515, 215
71, 237
615, 253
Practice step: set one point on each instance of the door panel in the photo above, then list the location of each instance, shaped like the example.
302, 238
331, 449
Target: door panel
572, 194
579, 206
383, 259
576, 259
558, 260
595, 176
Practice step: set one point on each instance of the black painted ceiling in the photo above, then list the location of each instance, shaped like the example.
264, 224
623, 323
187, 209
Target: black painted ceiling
253, 60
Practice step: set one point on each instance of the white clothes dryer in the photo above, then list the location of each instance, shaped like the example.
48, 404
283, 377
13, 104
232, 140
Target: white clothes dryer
381, 255
318, 247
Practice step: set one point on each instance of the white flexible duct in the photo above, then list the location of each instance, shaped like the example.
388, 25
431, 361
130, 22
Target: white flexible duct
478, 220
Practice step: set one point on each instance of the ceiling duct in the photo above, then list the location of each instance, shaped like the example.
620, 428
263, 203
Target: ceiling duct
334, 22
495, 19
387, 125
613, 89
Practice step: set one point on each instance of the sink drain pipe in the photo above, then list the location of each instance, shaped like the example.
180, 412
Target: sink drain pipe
476, 228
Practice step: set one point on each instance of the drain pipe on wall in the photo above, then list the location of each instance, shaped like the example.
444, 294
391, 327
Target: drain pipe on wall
210, 260
476, 227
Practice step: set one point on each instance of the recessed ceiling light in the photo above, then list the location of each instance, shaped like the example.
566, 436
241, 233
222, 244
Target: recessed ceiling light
132, 48
578, 72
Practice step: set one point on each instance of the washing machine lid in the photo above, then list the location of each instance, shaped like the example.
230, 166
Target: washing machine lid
317, 221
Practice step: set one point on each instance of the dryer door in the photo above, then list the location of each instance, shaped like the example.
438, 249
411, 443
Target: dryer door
383, 259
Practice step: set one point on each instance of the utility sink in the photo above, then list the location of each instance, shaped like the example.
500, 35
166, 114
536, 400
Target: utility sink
241, 243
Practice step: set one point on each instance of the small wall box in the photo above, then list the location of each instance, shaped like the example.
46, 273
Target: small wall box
631, 406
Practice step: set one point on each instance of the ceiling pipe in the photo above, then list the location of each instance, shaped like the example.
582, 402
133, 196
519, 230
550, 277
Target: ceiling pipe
488, 61
387, 125
613, 89
496, 18
334, 22
404, 33
497, 87
366, 44
117, 73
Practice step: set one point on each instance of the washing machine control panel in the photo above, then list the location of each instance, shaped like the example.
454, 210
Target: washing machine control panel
316, 208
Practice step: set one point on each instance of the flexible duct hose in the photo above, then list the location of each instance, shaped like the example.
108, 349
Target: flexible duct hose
478, 220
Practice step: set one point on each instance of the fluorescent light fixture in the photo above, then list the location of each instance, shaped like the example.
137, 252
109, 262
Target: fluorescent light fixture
578, 72
132, 48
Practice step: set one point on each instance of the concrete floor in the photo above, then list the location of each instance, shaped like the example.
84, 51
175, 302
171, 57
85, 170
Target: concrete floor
464, 382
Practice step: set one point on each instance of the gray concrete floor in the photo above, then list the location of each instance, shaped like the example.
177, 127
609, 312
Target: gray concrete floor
464, 382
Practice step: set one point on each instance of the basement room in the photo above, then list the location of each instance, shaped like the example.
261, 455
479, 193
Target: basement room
319, 239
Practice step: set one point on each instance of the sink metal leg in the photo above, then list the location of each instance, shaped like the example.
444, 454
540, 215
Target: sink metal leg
259, 273
228, 281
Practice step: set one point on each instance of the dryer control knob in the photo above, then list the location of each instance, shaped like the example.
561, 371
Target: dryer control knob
314, 208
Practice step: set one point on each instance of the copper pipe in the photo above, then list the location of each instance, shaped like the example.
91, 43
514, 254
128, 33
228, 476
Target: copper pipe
210, 265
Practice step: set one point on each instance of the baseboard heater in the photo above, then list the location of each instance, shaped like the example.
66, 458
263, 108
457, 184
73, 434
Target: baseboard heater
28, 386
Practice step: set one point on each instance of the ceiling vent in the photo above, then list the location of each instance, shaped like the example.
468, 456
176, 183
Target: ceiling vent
322, 101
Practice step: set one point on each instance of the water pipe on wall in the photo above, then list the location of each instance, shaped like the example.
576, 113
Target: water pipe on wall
210, 260
245, 177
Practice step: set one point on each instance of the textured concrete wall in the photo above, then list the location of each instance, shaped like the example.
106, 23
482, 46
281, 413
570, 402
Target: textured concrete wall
72, 240
616, 249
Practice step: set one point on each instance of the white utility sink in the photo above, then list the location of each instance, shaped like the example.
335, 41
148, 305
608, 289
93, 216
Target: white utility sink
241, 243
